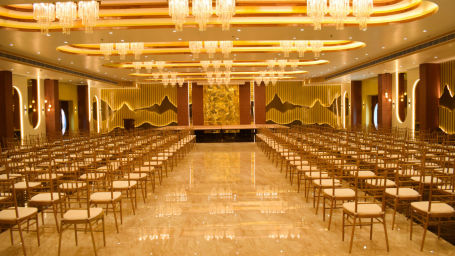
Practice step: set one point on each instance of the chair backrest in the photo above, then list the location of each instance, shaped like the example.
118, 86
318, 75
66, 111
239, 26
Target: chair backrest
370, 194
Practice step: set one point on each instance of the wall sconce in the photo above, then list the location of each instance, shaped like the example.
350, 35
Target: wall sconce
75, 109
25, 109
386, 95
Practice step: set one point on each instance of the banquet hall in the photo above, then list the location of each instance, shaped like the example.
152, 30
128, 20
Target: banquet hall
227, 127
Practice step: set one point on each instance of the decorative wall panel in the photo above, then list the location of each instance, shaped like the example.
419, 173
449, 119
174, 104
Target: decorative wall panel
148, 104
447, 101
221, 105
294, 103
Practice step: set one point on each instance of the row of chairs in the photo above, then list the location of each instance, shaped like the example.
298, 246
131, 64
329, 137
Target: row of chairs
366, 172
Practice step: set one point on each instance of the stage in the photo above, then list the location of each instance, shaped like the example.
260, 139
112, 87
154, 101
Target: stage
225, 133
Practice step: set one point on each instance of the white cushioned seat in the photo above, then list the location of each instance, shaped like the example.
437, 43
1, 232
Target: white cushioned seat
101, 197
74, 215
363, 209
326, 182
136, 176
10, 213
340, 192
92, 175
426, 179
23, 185
402, 192
45, 176
363, 174
437, 208
316, 174
45, 197
123, 184
380, 182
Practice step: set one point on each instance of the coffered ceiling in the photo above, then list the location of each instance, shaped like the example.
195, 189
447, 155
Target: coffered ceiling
395, 25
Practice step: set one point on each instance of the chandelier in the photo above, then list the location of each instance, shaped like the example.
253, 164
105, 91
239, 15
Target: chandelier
106, 49
301, 47
205, 64
362, 9
195, 48
227, 65
339, 10
122, 49
44, 14
137, 49
148, 66
294, 64
137, 65
156, 75
88, 12
209, 75
66, 13
286, 47
226, 48
180, 81
316, 10
160, 65
282, 64
202, 11
216, 65
316, 47
225, 9
210, 48
271, 64
178, 10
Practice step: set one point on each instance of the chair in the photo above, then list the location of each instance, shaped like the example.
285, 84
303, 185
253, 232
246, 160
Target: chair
15, 215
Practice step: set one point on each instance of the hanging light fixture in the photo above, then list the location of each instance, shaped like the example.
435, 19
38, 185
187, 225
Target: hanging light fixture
137, 49
316, 47
210, 48
216, 65
294, 64
195, 48
148, 66
88, 12
178, 10
205, 64
66, 13
316, 10
301, 47
107, 49
282, 64
202, 10
180, 81
209, 74
160, 65
362, 9
137, 65
339, 10
286, 47
226, 48
122, 49
225, 10
228, 65
258, 80
271, 64
44, 14
156, 75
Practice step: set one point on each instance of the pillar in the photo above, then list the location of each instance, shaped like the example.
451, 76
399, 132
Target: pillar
6, 106
52, 107
82, 106
429, 93
245, 103
385, 101
259, 103
356, 104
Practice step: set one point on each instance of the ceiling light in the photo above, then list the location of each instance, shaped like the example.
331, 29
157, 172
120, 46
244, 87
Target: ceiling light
66, 13
122, 49
137, 49
216, 65
88, 12
202, 11
282, 64
339, 10
178, 10
424, 31
301, 46
302, 29
44, 14
160, 65
226, 48
195, 48
137, 65
286, 47
11, 44
294, 64
271, 64
362, 9
110, 32
225, 9
210, 48
148, 66
227, 64
316, 10
205, 64
106, 49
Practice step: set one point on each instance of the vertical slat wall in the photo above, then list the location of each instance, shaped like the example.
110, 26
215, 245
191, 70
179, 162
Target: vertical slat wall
288, 102
152, 104
447, 116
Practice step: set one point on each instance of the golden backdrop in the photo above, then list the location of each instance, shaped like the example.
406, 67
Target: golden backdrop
447, 101
221, 105
148, 104
293, 102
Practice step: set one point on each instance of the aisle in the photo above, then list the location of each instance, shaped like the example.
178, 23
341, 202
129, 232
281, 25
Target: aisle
228, 199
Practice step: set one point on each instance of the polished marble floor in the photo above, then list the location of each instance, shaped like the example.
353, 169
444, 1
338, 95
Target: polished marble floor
227, 199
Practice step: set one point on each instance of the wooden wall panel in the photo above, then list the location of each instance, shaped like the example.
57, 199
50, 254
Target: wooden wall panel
245, 103
429, 88
447, 99
198, 104
182, 105
356, 104
6, 105
259, 103
53, 120
384, 105
82, 106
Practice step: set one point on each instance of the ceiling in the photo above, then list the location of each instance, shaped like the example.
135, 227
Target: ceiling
380, 40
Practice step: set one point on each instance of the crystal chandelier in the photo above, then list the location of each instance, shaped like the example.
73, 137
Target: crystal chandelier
195, 48
216, 65
106, 49
209, 74
225, 9
226, 48
271, 64
362, 9
316, 47
339, 10
44, 14
156, 75
180, 81
258, 80
148, 66
122, 49
286, 47
202, 11
137, 65
178, 10
88, 12
173, 79
316, 10
210, 48
66, 13
137, 49
294, 64
301, 47
160, 65
282, 64
205, 64
227, 65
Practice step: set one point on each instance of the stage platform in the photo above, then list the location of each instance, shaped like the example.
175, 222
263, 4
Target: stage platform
225, 133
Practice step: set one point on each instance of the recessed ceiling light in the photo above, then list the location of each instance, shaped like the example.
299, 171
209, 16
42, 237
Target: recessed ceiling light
11, 44
48, 34
70, 80
65, 42
237, 38
59, 59
174, 31
424, 31
180, 39
435, 57
383, 47
71, 62
294, 38
110, 32
366, 54
12, 69
239, 30
350, 38
302, 29
122, 40
235, 54
356, 58
28, 72
405, 38
323, 54
38, 52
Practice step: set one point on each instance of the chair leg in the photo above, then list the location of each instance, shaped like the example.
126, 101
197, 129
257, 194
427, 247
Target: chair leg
93, 237
11, 235
425, 228
371, 229
342, 227
60, 238
352, 234
394, 212
115, 215
385, 233
104, 232
331, 212
410, 225
54, 208
37, 229
75, 233
22, 238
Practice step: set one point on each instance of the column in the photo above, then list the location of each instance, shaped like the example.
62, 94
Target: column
259, 103
52, 107
198, 104
245, 103
6, 106
82, 106
356, 104
182, 105
385, 101
429, 93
